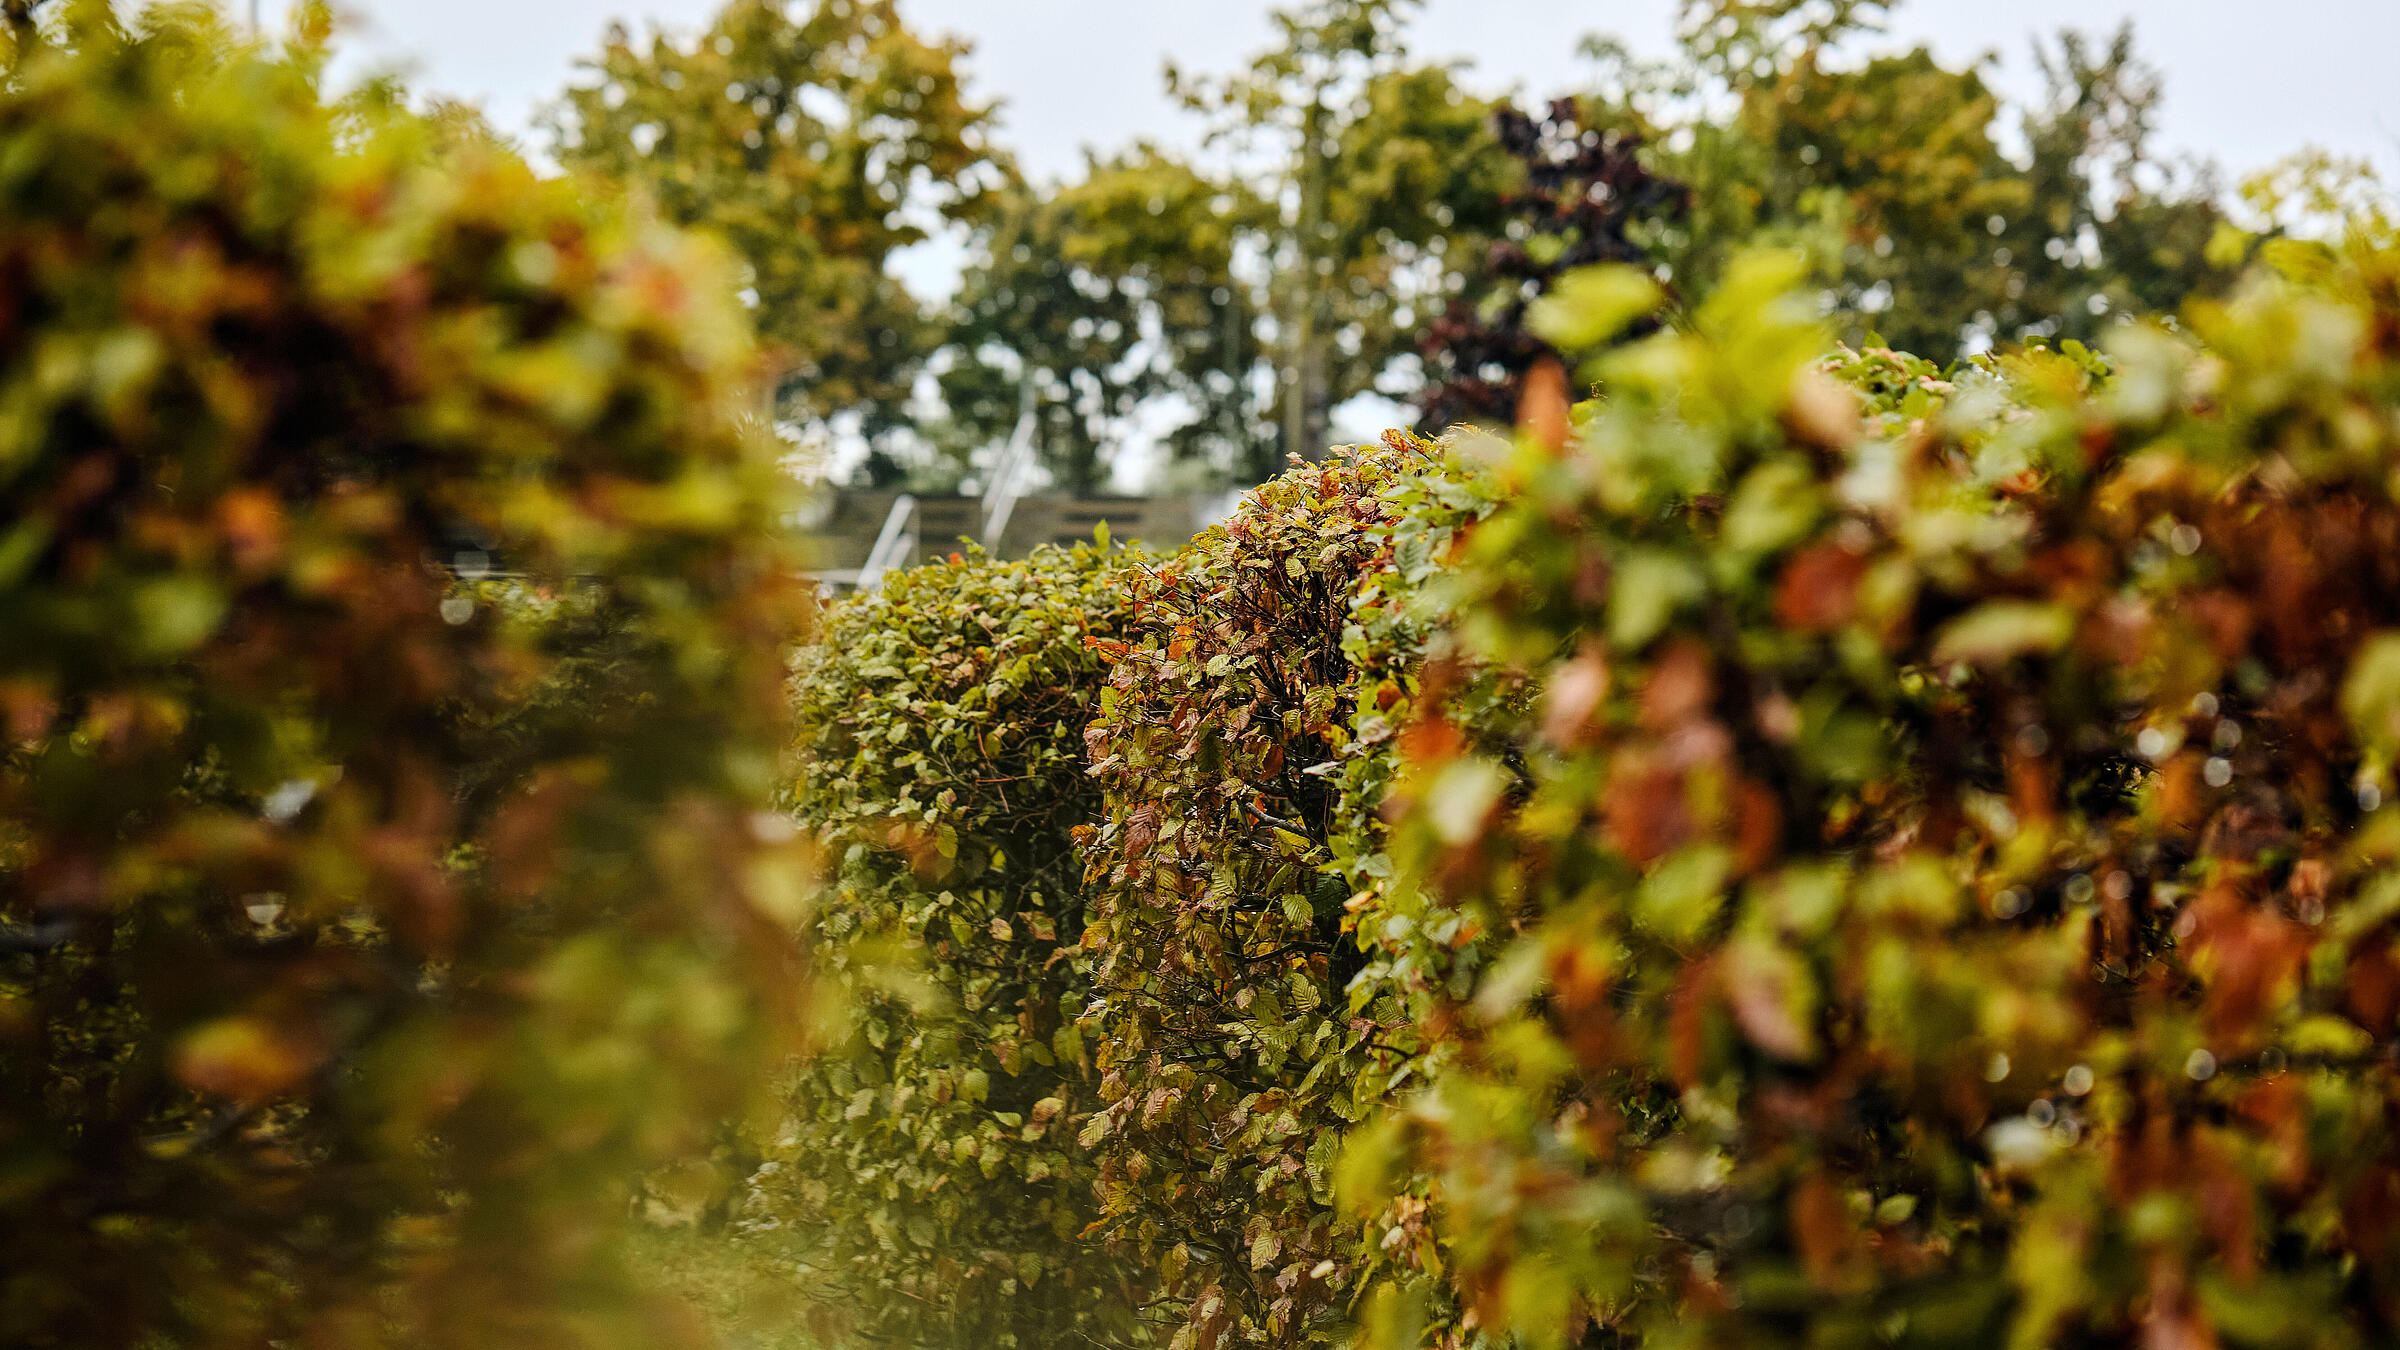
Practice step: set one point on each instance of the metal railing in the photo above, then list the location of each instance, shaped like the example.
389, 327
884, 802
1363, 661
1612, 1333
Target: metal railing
895, 547
1008, 474
898, 543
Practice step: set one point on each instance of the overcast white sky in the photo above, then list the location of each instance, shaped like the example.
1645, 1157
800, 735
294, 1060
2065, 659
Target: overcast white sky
2245, 82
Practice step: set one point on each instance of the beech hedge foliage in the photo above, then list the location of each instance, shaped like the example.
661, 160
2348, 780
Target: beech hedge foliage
1948, 883
1803, 849
926, 1186
1810, 849
369, 921
1236, 1028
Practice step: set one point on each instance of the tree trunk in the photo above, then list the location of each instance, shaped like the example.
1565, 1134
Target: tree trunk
1304, 413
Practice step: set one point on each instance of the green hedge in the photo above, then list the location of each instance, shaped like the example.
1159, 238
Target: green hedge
1239, 1029
927, 1186
1821, 851
363, 935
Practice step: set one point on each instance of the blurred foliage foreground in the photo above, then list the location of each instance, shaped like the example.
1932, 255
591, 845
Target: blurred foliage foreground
365, 927
1808, 848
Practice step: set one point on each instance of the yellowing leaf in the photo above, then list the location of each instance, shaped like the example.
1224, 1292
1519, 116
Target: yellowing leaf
1590, 305
248, 1059
2002, 629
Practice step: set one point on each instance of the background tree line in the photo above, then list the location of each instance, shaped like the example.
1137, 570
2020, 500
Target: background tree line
1359, 219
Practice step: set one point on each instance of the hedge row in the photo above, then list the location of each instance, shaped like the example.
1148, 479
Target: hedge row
942, 721
1815, 850
1237, 1028
1950, 878
1032, 1142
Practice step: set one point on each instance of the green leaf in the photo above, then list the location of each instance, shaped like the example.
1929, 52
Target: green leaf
1590, 305
1774, 507
1680, 898
1362, 1179
1773, 996
1644, 595
1459, 800
174, 614
2371, 691
2002, 629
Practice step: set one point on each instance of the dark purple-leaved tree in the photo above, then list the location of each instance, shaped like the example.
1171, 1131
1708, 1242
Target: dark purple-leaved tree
1585, 188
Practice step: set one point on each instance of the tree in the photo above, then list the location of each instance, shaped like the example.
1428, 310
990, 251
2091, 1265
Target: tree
2313, 194
927, 1179
1387, 180
1586, 194
1251, 305
2110, 230
817, 137
369, 921
1890, 173
1100, 297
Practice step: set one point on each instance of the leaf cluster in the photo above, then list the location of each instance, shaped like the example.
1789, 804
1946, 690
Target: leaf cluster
815, 139
1943, 885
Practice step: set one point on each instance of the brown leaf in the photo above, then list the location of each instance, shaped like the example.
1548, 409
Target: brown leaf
1818, 590
1757, 826
1576, 691
1687, 1022
247, 1059
1822, 1230
1680, 686
1543, 407
2249, 957
252, 522
1646, 815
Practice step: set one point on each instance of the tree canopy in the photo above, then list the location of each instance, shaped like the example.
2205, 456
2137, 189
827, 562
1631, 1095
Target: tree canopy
817, 139
1348, 223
